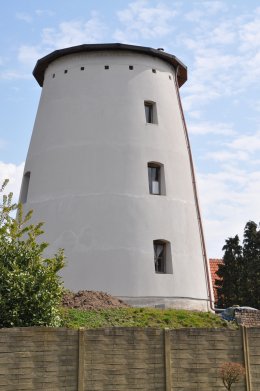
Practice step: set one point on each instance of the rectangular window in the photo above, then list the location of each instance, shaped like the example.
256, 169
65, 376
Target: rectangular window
148, 112
162, 256
154, 174
25, 187
159, 256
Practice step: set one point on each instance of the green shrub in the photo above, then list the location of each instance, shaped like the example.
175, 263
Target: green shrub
30, 288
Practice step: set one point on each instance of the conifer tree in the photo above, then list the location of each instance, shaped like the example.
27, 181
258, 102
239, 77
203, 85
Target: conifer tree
240, 273
251, 255
229, 290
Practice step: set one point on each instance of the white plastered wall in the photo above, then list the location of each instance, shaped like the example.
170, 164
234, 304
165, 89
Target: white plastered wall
89, 182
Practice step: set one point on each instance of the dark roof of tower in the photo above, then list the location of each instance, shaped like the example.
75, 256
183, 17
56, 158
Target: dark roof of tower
44, 62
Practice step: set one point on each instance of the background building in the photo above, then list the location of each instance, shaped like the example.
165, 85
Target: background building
214, 265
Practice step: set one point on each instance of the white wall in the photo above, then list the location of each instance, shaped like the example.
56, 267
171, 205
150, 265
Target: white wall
89, 181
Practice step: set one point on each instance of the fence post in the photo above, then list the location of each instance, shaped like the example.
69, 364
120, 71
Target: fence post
81, 350
246, 358
167, 358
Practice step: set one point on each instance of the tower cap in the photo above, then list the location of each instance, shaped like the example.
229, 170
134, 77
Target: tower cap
43, 63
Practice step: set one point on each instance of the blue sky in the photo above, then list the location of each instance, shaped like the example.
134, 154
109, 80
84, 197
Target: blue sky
219, 41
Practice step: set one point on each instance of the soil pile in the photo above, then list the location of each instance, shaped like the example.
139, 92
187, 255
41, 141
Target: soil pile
91, 300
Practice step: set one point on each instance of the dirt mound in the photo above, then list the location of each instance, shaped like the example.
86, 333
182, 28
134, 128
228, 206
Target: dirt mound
91, 300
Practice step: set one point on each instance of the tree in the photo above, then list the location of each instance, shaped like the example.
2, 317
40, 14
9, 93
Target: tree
240, 272
30, 288
231, 373
251, 255
230, 272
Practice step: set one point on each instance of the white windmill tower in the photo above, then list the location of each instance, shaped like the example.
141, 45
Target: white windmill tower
109, 170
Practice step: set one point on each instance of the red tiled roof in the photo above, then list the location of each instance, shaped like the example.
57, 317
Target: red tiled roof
214, 264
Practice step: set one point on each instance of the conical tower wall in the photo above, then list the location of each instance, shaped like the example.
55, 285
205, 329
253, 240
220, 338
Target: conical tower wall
88, 175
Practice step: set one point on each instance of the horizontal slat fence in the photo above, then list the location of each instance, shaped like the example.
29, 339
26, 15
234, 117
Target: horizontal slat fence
125, 359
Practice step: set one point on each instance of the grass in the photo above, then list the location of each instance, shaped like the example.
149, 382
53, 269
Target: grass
140, 317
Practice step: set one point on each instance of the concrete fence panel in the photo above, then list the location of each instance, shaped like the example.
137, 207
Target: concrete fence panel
125, 359
38, 359
197, 355
254, 357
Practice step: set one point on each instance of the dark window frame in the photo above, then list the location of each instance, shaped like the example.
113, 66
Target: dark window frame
25, 187
154, 172
150, 115
159, 248
150, 111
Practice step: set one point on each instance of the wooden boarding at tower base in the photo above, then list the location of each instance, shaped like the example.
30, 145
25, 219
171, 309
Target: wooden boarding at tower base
126, 359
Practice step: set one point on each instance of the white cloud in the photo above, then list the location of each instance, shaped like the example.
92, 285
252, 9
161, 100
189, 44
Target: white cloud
208, 8
41, 12
214, 7
229, 199
194, 16
215, 74
241, 149
14, 75
74, 33
223, 34
225, 53
2, 143
249, 143
196, 114
29, 54
14, 173
25, 17
210, 60
141, 20
256, 105
205, 127
250, 33
198, 94
67, 34
251, 69
225, 155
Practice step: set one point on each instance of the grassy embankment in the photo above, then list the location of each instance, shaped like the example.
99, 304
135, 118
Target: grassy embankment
141, 317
